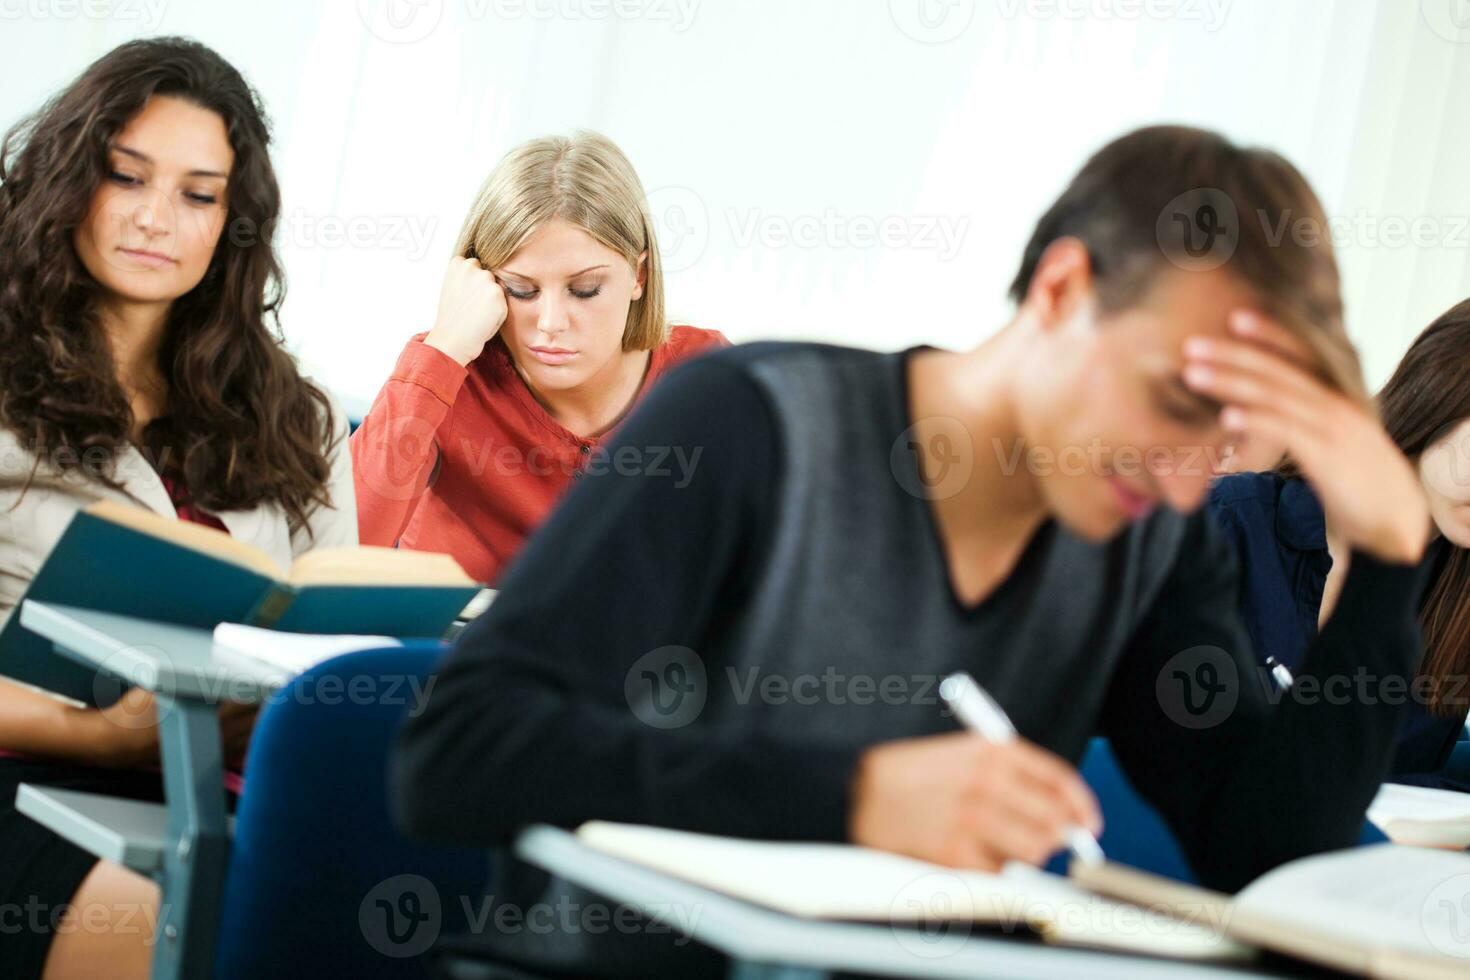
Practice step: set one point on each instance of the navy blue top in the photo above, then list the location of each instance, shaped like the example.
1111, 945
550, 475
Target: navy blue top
1281, 537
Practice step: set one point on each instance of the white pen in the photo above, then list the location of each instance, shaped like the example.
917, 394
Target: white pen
1281, 673
978, 712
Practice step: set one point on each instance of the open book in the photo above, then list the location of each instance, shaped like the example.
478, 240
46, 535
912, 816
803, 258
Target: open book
120, 559
1390, 912
1422, 816
843, 882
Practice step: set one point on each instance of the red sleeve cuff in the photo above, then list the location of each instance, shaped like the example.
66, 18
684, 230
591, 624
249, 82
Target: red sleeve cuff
428, 367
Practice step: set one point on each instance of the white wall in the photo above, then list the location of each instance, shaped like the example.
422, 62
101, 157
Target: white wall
948, 124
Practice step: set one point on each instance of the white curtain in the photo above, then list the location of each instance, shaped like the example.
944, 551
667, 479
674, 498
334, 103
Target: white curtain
857, 171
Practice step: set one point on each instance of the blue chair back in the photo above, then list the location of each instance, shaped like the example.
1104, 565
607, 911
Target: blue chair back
321, 882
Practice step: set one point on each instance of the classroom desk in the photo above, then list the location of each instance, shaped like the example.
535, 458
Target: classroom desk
185, 845
767, 945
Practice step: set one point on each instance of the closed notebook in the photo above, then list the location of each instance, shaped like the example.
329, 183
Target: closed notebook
1389, 912
127, 560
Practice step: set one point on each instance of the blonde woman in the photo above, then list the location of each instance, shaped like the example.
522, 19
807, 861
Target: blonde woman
550, 328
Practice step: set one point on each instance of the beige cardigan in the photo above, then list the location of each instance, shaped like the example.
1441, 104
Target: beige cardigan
31, 523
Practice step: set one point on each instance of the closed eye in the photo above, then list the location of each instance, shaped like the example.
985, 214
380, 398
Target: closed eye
1188, 407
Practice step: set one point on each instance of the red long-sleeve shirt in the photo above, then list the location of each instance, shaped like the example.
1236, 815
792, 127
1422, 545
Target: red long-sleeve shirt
465, 461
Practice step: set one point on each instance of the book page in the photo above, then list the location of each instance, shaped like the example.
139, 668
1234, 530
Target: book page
845, 882
1421, 815
376, 566
1375, 899
288, 654
186, 534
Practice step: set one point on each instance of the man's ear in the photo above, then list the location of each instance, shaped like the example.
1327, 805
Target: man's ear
1062, 281
640, 274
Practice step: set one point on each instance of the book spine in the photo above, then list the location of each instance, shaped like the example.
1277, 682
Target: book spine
272, 606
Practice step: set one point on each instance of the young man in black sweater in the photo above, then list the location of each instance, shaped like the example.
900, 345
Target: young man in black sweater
752, 650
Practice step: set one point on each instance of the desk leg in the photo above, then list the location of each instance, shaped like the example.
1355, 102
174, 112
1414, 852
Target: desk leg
198, 839
763, 971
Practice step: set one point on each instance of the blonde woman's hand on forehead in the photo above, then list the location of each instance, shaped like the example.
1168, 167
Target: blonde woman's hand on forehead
471, 311
1369, 490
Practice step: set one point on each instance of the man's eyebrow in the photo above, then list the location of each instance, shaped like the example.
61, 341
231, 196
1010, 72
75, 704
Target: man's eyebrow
1173, 385
590, 268
145, 158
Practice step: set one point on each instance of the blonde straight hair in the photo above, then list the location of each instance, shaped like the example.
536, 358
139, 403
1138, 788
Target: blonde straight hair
586, 181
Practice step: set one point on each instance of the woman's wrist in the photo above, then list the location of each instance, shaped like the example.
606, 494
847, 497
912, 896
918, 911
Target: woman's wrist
445, 344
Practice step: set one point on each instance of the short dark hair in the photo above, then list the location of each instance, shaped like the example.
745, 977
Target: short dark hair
1140, 203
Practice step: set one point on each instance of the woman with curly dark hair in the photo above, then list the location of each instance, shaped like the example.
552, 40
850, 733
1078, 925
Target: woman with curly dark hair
141, 363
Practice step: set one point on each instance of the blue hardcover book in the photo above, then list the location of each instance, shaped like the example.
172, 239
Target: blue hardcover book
121, 559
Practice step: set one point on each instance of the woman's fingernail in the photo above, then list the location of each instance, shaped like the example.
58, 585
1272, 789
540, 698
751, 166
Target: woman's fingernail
1198, 374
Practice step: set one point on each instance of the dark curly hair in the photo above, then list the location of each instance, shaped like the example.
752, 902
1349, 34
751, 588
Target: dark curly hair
240, 426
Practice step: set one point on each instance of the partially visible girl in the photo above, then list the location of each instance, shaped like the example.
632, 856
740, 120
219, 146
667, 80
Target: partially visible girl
1294, 562
550, 328
138, 292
